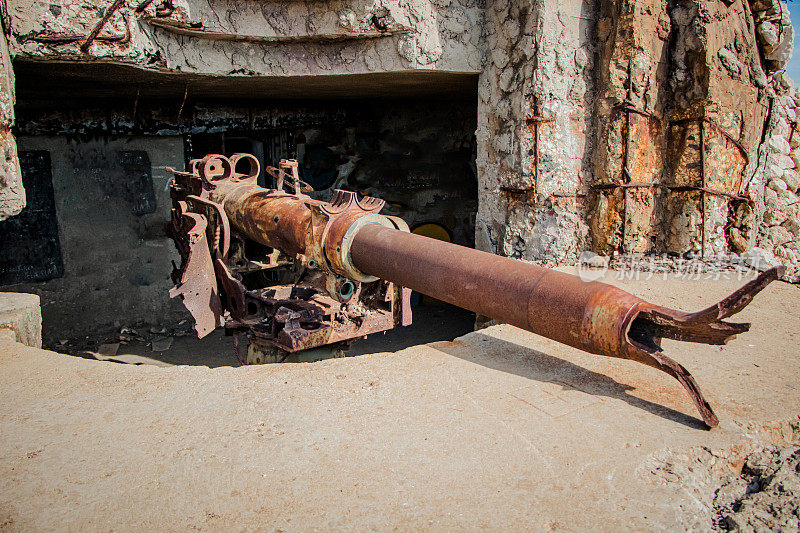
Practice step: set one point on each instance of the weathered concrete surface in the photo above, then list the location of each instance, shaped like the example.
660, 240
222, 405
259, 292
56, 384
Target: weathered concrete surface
12, 194
498, 429
20, 313
260, 38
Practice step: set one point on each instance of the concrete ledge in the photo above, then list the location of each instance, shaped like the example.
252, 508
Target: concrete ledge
21, 314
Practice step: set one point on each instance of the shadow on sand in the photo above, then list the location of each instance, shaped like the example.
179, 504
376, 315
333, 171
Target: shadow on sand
538, 366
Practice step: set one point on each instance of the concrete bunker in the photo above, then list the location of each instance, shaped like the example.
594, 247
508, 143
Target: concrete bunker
601, 127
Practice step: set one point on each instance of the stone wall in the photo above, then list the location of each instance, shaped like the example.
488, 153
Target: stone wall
116, 257
774, 223
776, 185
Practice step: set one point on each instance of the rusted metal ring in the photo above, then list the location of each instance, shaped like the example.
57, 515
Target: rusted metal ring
347, 242
399, 223
254, 169
215, 167
342, 289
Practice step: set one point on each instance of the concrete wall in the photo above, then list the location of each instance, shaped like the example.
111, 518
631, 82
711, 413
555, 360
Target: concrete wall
589, 131
12, 193
116, 262
254, 37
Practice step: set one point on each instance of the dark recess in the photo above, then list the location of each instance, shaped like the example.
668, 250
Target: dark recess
29, 241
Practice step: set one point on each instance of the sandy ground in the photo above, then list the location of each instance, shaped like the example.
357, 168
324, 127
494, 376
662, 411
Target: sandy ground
497, 429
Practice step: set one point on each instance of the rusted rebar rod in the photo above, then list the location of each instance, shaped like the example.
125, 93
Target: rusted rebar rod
100, 23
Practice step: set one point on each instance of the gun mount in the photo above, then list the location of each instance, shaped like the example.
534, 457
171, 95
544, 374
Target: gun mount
273, 264
292, 273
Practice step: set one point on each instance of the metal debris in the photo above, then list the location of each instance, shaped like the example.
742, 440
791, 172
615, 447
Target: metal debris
100, 23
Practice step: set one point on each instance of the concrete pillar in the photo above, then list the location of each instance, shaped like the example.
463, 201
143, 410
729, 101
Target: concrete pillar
12, 194
714, 122
534, 113
633, 39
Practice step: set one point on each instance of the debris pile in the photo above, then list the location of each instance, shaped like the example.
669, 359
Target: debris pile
765, 496
753, 486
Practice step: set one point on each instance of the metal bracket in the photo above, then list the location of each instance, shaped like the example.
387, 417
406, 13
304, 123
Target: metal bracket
196, 282
289, 169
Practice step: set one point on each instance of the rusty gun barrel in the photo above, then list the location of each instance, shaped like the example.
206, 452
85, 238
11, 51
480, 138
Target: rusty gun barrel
592, 316
338, 250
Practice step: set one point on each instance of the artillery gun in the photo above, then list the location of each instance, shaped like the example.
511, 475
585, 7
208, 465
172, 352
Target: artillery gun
292, 273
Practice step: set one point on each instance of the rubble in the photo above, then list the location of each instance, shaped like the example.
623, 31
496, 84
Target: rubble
759, 259
765, 496
161, 344
592, 259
